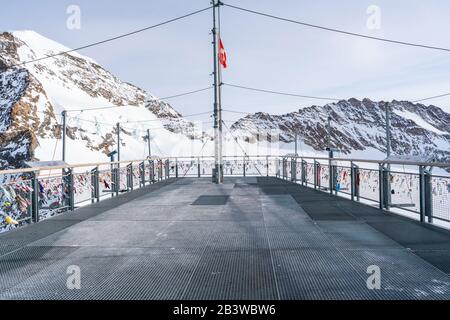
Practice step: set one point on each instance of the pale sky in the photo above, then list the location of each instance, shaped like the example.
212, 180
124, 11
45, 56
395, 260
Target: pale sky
262, 53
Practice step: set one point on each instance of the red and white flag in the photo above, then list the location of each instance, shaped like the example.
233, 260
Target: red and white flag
222, 55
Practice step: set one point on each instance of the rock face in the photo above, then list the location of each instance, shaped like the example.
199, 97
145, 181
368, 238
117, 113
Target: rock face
33, 95
357, 125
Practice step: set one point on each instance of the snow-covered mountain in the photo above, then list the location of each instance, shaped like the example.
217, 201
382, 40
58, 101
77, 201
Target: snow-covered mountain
356, 126
33, 96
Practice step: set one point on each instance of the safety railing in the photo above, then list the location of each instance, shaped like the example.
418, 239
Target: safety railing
404, 187
35, 194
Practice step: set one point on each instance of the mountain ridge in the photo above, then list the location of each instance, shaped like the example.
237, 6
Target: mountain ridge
357, 125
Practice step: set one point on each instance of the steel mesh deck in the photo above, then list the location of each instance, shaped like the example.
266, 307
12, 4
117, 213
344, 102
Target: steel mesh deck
271, 239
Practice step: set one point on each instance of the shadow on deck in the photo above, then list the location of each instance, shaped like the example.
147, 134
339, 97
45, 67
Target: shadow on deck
250, 238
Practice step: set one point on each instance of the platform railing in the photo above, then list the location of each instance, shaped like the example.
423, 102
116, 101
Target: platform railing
405, 187
31, 195
34, 194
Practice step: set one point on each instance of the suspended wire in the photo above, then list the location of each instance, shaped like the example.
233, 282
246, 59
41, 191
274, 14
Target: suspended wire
116, 106
238, 112
114, 38
311, 97
338, 30
186, 116
56, 147
192, 163
94, 122
185, 93
100, 108
280, 93
123, 124
156, 144
433, 97
242, 148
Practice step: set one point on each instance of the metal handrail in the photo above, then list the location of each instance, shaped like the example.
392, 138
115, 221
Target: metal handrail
72, 166
94, 164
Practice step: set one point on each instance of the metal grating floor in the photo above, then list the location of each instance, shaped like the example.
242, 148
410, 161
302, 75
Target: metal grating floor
211, 201
251, 238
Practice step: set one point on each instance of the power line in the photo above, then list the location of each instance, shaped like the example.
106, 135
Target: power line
185, 93
433, 97
116, 106
100, 108
114, 38
280, 93
233, 111
310, 97
131, 122
338, 30
182, 117
237, 142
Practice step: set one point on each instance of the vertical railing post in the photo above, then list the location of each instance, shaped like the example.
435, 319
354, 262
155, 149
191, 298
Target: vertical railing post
68, 186
116, 174
35, 197
244, 167
95, 185
167, 166
316, 173
276, 168
142, 174
380, 185
160, 170
152, 171
304, 177
294, 170
422, 193
176, 167
429, 195
331, 175
336, 175
426, 204
93, 190
71, 190
355, 181
130, 177
384, 187
199, 172
352, 182
117, 180
113, 180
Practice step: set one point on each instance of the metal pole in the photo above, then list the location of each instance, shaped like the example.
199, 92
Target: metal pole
217, 118
35, 197
149, 143
64, 130
422, 196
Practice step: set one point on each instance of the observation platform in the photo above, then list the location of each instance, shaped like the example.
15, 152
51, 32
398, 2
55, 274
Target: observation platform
250, 238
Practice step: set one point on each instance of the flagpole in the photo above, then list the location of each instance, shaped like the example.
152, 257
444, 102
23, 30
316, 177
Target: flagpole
219, 107
217, 118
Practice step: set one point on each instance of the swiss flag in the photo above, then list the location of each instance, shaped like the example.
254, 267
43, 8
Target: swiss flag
222, 55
